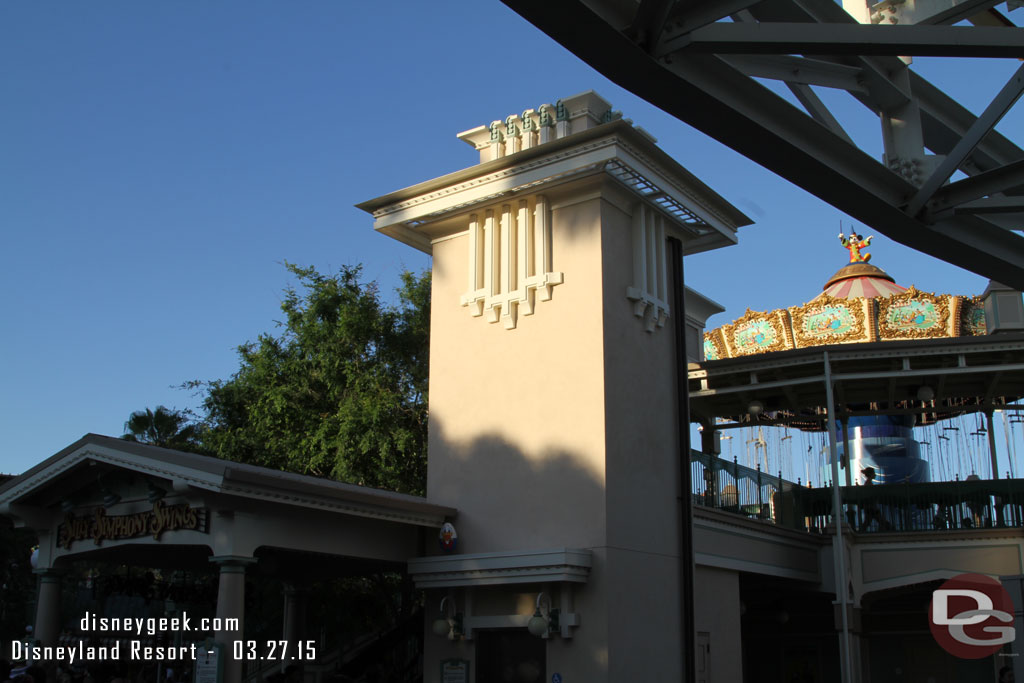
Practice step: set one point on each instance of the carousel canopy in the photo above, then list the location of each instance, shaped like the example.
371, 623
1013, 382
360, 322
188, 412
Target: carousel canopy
860, 303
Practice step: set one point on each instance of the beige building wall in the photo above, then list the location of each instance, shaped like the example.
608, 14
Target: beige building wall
558, 431
562, 432
641, 456
517, 416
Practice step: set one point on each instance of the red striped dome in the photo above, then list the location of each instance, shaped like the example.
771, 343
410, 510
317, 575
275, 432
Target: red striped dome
861, 280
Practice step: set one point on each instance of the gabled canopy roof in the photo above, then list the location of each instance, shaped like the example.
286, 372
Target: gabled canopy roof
46, 484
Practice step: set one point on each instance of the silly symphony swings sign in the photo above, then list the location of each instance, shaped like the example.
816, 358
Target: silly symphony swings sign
161, 518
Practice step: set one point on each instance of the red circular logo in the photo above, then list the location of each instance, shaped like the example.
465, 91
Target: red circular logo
971, 616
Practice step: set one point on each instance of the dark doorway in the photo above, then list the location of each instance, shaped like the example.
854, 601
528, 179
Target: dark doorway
510, 656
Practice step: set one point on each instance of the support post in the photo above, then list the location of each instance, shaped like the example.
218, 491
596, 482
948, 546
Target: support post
47, 624
990, 425
845, 422
711, 445
837, 516
231, 605
293, 628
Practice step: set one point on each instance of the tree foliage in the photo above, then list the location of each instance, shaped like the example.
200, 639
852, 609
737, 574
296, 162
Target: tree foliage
17, 584
340, 393
162, 427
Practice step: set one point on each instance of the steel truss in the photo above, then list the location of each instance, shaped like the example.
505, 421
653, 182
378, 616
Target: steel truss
698, 59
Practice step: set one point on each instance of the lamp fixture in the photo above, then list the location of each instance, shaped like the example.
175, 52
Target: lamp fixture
154, 492
925, 393
110, 499
755, 408
540, 625
449, 623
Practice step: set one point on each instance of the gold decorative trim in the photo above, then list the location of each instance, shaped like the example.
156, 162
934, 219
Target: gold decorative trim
871, 321
908, 327
776, 321
857, 326
874, 334
967, 324
717, 342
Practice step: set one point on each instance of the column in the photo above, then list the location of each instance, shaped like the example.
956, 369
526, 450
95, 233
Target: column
47, 626
231, 605
711, 444
294, 626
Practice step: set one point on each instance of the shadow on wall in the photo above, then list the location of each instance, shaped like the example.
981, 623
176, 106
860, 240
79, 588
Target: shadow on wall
513, 500
509, 499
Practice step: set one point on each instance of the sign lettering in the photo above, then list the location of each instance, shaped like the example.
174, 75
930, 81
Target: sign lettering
101, 526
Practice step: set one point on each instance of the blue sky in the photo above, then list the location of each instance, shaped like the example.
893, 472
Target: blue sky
159, 162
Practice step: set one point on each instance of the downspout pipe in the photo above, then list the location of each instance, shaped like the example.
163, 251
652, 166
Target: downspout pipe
686, 563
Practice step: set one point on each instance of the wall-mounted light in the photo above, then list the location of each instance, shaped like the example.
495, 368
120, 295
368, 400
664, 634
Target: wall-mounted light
110, 499
154, 492
755, 408
449, 623
542, 625
925, 393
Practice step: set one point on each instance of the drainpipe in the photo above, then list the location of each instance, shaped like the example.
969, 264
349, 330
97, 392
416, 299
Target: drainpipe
837, 515
686, 566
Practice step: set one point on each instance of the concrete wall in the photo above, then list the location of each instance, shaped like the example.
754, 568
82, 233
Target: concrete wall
718, 614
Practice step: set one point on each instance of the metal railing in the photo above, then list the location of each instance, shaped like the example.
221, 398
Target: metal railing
743, 490
905, 507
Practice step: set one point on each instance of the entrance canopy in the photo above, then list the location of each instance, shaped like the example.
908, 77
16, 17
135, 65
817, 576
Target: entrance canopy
115, 499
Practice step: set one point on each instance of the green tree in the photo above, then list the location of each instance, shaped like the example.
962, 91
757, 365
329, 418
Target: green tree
162, 427
17, 584
340, 393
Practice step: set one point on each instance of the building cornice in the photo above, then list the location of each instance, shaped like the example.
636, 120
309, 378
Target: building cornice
615, 148
488, 569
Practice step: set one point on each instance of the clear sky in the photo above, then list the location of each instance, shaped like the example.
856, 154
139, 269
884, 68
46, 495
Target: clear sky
160, 160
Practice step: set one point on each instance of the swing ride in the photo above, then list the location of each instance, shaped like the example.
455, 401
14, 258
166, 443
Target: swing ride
922, 392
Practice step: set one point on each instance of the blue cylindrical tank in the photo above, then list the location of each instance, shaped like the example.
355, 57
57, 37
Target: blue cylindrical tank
886, 443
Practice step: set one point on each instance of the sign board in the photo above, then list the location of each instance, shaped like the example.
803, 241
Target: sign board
100, 526
453, 671
209, 663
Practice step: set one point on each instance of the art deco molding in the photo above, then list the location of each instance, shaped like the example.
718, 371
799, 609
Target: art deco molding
510, 260
649, 291
502, 568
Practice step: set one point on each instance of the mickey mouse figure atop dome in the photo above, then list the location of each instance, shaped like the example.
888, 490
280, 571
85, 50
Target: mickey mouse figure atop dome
854, 243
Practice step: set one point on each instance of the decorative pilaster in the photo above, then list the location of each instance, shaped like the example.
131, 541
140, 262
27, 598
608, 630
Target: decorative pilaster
510, 261
649, 292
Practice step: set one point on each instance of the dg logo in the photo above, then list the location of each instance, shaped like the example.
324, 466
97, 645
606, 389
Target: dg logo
971, 616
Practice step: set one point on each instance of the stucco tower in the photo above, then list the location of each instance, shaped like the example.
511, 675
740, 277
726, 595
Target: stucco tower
554, 406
